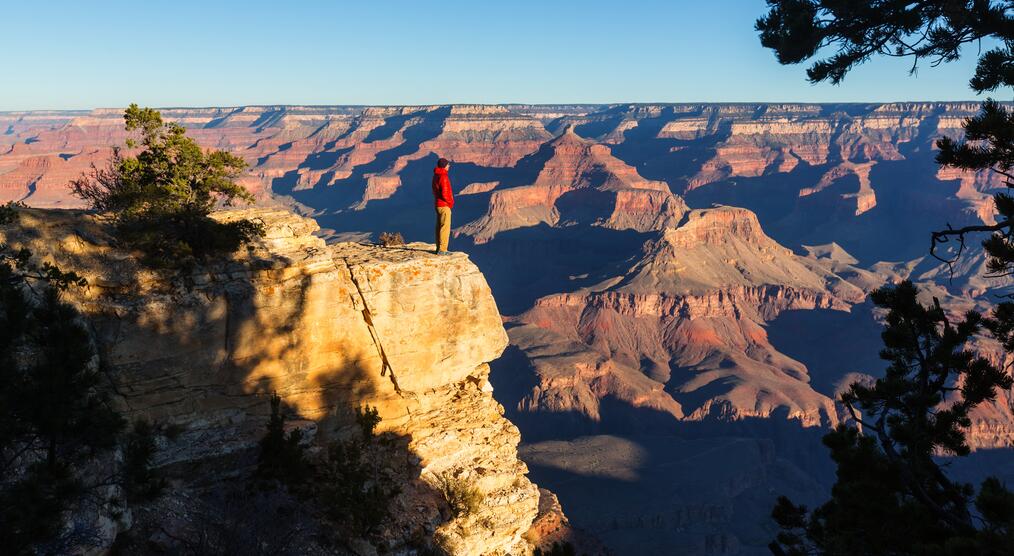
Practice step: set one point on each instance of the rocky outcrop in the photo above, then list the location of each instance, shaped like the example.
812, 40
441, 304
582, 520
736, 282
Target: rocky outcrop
578, 182
695, 357
723, 248
552, 527
682, 332
328, 328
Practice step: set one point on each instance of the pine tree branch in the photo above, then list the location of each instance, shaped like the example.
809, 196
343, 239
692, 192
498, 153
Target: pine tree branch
914, 486
943, 237
29, 445
856, 418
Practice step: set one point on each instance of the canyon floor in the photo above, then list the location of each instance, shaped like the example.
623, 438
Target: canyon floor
684, 286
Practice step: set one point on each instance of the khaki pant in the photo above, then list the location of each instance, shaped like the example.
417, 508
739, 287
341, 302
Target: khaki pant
443, 229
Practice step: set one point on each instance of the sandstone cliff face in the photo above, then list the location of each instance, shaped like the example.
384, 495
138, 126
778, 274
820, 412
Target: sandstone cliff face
326, 327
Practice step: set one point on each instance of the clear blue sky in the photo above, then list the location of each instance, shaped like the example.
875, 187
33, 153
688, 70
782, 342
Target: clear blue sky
74, 54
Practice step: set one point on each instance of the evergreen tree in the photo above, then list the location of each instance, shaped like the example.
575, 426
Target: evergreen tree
140, 482
54, 415
159, 200
346, 482
353, 488
892, 496
282, 457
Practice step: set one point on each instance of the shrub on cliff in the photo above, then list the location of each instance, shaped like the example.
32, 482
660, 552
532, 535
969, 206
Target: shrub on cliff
282, 456
355, 489
140, 482
463, 497
347, 482
391, 239
159, 199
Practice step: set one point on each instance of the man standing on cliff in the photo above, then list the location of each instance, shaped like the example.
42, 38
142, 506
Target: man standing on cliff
444, 201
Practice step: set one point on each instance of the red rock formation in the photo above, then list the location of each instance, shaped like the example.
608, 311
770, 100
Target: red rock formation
618, 197
293, 148
479, 187
551, 526
487, 135
685, 325
717, 267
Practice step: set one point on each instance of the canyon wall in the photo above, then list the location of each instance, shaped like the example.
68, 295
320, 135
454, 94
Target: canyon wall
682, 331
587, 189
692, 270
327, 328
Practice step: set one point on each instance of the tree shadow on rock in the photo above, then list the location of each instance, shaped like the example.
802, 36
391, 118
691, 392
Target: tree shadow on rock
208, 356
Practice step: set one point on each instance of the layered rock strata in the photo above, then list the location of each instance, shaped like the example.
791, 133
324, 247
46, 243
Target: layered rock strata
578, 182
328, 328
683, 331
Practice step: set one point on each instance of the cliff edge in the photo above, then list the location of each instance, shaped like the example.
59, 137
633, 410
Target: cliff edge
327, 327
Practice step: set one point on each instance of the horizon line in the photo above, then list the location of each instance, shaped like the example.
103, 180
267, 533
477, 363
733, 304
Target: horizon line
533, 104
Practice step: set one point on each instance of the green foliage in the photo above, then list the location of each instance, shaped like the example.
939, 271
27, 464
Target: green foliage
31, 507
987, 142
891, 496
17, 268
353, 490
367, 418
140, 482
282, 456
928, 361
9, 212
347, 482
557, 549
160, 199
463, 497
50, 391
55, 416
226, 520
798, 30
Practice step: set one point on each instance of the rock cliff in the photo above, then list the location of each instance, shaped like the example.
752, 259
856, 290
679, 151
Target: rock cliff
630, 301
578, 182
328, 328
682, 332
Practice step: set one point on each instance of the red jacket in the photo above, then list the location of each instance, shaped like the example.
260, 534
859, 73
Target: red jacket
442, 188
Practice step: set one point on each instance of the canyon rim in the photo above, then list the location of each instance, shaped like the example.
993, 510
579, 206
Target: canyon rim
676, 295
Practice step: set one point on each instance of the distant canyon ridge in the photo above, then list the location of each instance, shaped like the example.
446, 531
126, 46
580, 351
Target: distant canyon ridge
694, 271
